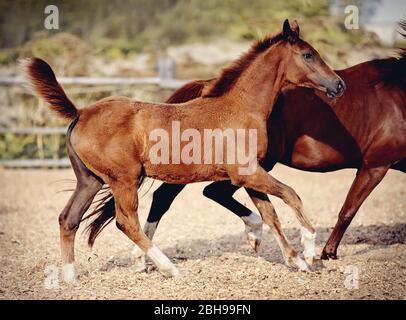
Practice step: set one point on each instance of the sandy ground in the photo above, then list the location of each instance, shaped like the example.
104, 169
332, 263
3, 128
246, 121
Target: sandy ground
206, 242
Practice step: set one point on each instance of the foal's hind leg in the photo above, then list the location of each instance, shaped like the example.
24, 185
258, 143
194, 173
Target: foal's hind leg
125, 193
86, 188
261, 181
270, 217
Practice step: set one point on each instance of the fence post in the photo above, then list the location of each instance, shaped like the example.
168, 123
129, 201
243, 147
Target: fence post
166, 68
56, 138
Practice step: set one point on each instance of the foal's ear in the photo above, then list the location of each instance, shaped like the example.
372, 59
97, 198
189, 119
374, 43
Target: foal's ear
295, 28
291, 34
286, 28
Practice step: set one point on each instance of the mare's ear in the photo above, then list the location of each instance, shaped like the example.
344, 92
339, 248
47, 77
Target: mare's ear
289, 33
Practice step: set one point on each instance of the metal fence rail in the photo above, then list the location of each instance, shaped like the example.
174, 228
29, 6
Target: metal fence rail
56, 162
165, 83
34, 130
165, 80
36, 163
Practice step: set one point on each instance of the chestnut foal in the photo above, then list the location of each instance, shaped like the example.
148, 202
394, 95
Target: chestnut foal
108, 140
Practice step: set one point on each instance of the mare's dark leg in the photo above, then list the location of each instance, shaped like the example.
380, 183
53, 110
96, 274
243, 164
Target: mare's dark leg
400, 166
222, 192
365, 181
87, 186
162, 199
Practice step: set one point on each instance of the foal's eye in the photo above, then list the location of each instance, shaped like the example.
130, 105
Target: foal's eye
308, 55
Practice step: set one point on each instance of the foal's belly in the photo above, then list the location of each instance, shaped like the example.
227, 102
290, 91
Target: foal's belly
184, 174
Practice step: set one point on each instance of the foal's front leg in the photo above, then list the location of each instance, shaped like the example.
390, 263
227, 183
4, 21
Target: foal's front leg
270, 217
261, 181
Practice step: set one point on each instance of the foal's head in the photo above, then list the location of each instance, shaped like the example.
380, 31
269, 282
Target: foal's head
299, 65
304, 66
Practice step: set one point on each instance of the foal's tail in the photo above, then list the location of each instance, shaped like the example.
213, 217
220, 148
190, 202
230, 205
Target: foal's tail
42, 80
104, 211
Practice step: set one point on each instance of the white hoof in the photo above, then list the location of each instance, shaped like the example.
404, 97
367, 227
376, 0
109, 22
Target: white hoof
253, 229
165, 266
140, 264
171, 272
137, 252
139, 259
309, 243
69, 273
300, 264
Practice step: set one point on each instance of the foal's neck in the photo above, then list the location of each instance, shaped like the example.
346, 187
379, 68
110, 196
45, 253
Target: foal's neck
260, 84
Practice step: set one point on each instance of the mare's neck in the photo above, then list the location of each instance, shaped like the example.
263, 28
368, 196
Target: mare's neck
260, 84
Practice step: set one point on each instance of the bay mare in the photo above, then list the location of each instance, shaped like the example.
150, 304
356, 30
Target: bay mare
306, 131
108, 140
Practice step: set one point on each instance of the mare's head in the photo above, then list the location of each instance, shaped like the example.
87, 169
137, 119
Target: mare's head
303, 65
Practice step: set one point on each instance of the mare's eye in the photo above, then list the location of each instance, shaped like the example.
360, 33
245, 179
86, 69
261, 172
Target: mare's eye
308, 56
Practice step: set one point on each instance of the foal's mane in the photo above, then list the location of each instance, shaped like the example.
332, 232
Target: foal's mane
231, 73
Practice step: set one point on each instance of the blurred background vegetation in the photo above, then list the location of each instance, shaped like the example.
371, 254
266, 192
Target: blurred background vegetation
125, 38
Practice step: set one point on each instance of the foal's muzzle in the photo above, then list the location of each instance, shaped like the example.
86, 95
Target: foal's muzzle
337, 90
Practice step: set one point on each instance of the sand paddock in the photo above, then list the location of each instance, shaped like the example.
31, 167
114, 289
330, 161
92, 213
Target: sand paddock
206, 242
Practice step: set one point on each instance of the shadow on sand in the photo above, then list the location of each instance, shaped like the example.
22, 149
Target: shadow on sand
377, 236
